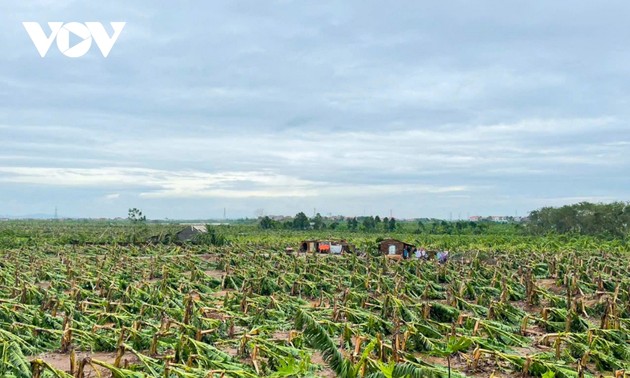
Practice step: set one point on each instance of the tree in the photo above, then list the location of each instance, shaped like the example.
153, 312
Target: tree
447, 227
420, 227
267, 223
610, 220
136, 216
353, 224
369, 224
300, 222
392, 224
318, 222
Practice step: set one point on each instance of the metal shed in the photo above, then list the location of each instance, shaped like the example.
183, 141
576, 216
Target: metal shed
190, 232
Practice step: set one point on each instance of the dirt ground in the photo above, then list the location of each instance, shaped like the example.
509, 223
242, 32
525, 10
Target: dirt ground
486, 368
218, 274
326, 372
61, 361
550, 284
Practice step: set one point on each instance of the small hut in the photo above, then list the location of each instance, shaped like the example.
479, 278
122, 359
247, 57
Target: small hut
393, 247
326, 246
309, 246
190, 232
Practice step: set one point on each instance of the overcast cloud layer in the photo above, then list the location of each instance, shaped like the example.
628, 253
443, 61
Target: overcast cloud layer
350, 107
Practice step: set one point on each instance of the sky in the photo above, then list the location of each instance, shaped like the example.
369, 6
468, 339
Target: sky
357, 107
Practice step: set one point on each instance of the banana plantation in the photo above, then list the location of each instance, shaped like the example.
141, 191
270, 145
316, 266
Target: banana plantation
500, 307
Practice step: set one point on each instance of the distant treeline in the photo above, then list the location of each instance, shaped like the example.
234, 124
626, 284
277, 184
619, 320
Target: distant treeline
374, 224
610, 220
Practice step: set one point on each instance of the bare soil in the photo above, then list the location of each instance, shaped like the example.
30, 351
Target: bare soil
61, 361
218, 274
550, 284
44, 285
326, 372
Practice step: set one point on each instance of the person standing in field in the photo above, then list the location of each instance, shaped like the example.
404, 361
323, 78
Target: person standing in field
442, 256
422, 253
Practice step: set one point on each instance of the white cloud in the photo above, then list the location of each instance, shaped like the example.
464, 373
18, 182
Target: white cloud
527, 148
112, 196
196, 184
431, 86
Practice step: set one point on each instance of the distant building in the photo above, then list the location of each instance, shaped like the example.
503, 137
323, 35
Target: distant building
190, 232
497, 218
